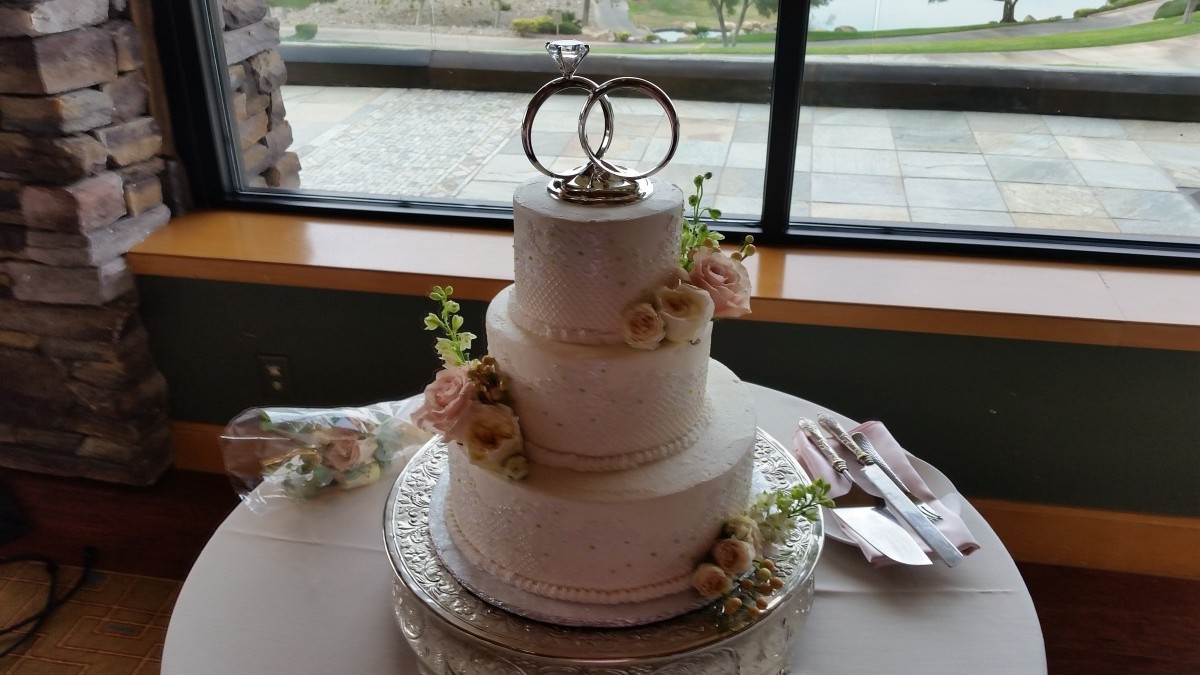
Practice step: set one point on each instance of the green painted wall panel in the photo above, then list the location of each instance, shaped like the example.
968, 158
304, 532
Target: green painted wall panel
1077, 425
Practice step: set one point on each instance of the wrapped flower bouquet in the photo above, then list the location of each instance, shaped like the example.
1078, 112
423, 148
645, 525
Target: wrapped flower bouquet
299, 453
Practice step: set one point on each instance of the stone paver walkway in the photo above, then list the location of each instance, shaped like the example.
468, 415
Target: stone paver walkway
1026, 171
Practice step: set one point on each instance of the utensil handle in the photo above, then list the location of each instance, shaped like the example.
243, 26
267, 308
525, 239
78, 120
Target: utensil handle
814, 435
865, 444
836, 429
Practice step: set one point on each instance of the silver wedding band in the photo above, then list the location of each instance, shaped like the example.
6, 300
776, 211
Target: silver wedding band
598, 93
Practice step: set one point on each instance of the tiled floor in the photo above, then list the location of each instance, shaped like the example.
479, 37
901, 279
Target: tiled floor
1025, 171
115, 625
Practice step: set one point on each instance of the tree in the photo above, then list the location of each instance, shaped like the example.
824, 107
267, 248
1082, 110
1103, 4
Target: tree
764, 7
721, 6
1010, 11
1187, 11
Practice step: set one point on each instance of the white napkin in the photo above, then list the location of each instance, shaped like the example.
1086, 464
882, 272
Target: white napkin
898, 459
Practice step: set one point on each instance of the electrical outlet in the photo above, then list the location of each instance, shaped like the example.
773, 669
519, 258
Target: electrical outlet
275, 372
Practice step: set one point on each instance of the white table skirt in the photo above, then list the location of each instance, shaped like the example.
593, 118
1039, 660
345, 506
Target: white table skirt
308, 589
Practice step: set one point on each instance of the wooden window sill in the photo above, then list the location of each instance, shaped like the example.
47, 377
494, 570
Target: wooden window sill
1080, 303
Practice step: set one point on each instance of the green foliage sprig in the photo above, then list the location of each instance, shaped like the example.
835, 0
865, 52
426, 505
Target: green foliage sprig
696, 230
776, 512
453, 348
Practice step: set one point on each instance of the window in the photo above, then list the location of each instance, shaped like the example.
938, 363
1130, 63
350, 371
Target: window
907, 122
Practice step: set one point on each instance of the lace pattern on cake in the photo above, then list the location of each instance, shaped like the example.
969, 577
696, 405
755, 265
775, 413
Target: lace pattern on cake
580, 336
558, 591
625, 460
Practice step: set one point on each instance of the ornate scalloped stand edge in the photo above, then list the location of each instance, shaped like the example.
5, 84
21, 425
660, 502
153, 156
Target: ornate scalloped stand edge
453, 632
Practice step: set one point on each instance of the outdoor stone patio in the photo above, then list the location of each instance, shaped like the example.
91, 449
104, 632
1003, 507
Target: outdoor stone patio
1028, 171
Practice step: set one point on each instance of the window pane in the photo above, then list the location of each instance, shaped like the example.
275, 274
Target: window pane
1048, 124
422, 101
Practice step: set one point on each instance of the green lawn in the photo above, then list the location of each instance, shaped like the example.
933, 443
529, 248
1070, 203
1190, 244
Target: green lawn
655, 14
1147, 32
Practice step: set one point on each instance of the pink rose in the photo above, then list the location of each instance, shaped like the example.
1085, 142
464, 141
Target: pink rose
733, 555
725, 279
346, 450
642, 327
446, 399
489, 431
711, 581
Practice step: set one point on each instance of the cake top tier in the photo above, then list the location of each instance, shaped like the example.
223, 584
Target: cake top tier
579, 267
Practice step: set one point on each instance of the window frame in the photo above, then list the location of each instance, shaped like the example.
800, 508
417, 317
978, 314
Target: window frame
191, 51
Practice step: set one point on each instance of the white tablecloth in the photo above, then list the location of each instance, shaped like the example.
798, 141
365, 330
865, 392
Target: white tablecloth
308, 589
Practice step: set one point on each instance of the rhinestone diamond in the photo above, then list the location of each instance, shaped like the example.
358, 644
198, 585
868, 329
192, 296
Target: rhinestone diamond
567, 54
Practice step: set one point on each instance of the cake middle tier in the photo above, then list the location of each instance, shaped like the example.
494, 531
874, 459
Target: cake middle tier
614, 537
599, 407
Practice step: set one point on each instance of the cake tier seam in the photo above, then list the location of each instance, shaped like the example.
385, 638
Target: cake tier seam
546, 331
625, 460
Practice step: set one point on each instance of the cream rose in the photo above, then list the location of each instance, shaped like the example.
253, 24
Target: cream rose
346, 450
724, 278
642, 327
711, 581
744, 528
685, 311
489, 431
445, 399
734, 556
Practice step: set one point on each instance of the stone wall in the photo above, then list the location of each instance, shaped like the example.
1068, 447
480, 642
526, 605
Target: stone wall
256, 75
80, 166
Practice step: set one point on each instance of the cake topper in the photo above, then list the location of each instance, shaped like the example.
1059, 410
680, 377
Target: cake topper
599, 181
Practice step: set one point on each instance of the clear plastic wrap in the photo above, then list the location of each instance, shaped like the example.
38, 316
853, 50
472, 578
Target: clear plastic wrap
278, 455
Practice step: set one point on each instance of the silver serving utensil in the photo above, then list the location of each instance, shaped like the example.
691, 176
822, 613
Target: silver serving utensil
895, 499
874, 526
865, 444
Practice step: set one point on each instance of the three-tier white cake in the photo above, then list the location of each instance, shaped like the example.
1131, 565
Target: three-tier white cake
636, 456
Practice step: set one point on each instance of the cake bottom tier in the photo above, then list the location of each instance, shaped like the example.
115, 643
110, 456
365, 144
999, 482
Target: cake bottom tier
609, 537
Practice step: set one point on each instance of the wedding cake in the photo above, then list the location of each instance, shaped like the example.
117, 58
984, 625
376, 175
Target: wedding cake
600, 458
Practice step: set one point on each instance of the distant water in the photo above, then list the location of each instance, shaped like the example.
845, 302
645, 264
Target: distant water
892, 14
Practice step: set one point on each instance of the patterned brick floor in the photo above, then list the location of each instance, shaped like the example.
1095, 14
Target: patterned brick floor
114, 625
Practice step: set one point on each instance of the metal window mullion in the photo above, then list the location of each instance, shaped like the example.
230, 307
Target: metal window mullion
782, 129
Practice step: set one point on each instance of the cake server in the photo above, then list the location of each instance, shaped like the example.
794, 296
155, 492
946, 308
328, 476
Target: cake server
895, 499
876, 528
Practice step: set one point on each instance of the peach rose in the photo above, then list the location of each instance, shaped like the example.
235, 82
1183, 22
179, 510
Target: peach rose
445, 400
346, 450
711, 581
489, 431
725, 279
733, 555
685, 311
642, 327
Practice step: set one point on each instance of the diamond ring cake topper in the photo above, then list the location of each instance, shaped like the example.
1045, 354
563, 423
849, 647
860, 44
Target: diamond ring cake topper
599, 181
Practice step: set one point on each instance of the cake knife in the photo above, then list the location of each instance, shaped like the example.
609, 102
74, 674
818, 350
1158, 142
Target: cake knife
895, 499
876, 528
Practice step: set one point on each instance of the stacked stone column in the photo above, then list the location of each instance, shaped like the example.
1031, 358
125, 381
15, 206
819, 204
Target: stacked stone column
256, 77
79, 185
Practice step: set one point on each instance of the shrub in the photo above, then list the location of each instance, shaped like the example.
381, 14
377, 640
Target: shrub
543, 25
538, 24
306, 31
1171, 8
621, 36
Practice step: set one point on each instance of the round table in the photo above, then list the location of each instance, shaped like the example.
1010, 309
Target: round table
308, 589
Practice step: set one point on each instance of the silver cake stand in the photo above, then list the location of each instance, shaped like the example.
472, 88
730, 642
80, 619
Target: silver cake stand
453, 632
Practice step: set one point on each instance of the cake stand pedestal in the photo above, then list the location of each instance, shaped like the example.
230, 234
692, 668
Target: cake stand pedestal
453, 632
